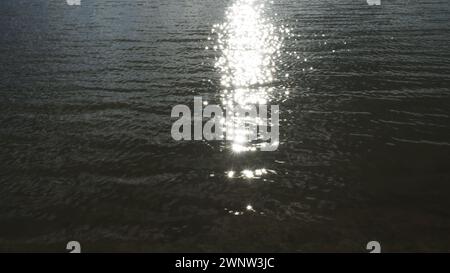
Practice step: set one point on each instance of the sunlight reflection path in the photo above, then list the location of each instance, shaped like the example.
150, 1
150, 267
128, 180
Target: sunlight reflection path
250, 45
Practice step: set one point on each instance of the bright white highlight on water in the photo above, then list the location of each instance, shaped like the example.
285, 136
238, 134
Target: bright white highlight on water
249, 208
374, 2
249, 47
73, 2
248, 174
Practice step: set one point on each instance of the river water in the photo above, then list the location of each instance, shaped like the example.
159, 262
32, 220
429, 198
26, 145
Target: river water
86, 94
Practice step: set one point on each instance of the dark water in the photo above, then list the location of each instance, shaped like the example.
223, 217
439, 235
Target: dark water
86, 151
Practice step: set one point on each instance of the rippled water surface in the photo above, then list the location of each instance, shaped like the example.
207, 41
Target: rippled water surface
86, 94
